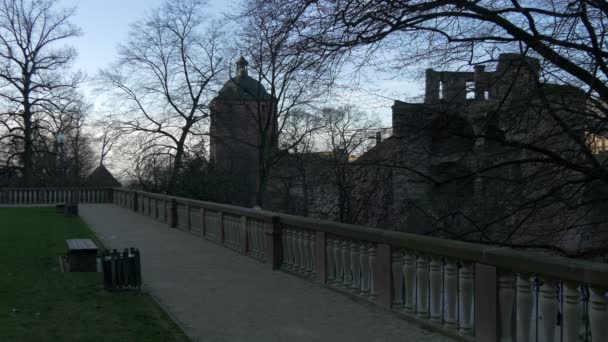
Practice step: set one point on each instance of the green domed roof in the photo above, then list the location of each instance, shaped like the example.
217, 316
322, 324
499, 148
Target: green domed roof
243, 87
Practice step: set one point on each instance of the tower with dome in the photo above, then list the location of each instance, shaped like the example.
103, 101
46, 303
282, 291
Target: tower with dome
243, 133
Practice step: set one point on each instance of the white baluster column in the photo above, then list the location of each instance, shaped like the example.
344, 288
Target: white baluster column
365, 279
598, 314
355, 265
436, 282
524, 308
289, 245
338, 260
547, 309
372, 271
331, 266
450, 284
409, 276
422, 284
466, 278
571, 315
348, 277
506, 296
397, 276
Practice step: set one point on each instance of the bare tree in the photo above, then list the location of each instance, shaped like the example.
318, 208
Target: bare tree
33, 69
346, 135
107, 136
164, 79
296, 78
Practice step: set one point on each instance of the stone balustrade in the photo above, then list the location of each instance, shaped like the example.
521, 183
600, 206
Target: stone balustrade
468, 291
50, 196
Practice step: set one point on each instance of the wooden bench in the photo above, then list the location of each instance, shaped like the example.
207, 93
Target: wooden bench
82, 255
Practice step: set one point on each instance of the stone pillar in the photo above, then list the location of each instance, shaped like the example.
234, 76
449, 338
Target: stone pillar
382, 275
173, 213
243, 234
135, 201
486, 302
273, 242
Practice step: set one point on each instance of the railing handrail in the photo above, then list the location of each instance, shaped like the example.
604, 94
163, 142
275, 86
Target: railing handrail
590, 272
57, 188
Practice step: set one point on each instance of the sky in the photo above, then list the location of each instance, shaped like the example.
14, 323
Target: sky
106, 23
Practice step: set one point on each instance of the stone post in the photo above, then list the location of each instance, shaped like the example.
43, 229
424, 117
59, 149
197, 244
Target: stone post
110, 195
135, 201
203, 225
382, 275
486, 301
173, 214
273, 242
243, 234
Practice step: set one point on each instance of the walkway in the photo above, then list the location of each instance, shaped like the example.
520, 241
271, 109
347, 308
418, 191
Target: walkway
219, 295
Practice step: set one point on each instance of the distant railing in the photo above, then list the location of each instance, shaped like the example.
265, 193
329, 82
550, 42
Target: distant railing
468, 291
49, 196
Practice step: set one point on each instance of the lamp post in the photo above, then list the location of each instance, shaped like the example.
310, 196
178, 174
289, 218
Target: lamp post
60, 139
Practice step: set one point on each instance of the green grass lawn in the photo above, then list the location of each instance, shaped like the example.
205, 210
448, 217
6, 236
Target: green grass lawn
39, 303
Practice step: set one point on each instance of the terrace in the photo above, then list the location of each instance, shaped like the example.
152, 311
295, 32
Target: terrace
211, 266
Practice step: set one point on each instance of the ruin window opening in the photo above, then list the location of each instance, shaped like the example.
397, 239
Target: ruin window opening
486, 95
441, 90
470, 90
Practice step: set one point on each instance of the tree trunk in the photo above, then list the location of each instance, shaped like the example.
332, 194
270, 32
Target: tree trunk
28, 147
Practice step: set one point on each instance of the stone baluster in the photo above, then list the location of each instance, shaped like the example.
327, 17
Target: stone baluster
355, 264
307, 252
313, 248
338, 260
303, 259
294, 249
436, 282
331, 265
254, 238
289, 245
365, 279
348, 276
506, 296
524, 308
397, 277
465, 297
259, 232
300, 249
547, 310
422, 286
598, 314
297, 234
450, 285
570, 313
372, 270
409, 276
